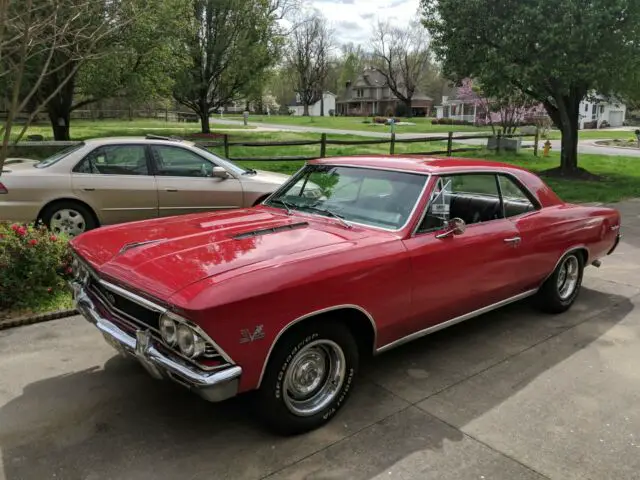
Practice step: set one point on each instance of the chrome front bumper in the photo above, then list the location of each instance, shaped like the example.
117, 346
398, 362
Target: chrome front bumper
212, 386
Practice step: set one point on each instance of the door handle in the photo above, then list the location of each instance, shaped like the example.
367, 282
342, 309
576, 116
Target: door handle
89, 189
514, 240
170, 189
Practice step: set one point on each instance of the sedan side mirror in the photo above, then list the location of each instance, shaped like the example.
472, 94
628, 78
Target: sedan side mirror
456, 226
219, 172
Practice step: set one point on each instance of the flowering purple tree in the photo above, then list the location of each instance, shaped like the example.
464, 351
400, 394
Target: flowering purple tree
508, 109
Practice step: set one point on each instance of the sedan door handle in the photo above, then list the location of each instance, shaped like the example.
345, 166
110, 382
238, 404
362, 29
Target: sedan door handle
170, 189
89, 189
512, 240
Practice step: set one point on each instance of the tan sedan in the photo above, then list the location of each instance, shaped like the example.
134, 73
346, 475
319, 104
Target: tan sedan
115, 180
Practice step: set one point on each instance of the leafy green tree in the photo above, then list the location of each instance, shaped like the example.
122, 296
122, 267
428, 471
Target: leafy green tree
554, 51
231, 44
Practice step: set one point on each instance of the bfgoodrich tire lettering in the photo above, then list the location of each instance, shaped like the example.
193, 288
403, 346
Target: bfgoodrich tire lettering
309, 377
561, 289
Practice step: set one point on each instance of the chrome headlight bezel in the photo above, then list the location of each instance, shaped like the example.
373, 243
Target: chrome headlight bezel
187, 340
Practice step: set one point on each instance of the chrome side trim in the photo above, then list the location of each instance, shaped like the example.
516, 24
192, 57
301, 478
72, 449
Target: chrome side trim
313, 314
454, 321
132, 296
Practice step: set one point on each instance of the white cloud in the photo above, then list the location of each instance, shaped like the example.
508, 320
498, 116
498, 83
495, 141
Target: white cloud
353, 20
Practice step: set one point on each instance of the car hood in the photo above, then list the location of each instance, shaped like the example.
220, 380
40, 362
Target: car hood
269, 177
160, 257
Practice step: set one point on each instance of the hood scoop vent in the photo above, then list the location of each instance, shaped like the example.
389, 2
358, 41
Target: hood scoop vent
129, 246
266, 231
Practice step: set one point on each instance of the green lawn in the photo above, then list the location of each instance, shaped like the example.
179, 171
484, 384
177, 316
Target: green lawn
51, 303
422, 124
83, 129
594, 134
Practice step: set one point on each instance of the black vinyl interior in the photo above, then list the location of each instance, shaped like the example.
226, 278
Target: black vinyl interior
483, 208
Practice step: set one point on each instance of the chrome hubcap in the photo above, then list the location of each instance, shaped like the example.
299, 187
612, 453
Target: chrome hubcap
314, 378
68, 221
568, 277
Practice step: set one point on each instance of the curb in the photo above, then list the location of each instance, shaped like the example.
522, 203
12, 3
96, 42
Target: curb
39, 318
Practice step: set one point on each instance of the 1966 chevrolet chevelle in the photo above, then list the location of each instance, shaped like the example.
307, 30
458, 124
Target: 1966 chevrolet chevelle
351, 257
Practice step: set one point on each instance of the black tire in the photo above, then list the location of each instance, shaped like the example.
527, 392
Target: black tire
273, 399
52, 210
550, 298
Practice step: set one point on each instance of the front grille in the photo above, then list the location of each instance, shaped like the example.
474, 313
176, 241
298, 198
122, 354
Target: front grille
132, 316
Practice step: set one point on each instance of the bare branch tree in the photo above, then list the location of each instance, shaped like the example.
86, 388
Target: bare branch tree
402, 56
308, 55
31, 35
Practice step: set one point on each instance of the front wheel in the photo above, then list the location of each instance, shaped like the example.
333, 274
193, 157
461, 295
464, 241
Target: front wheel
308, 378
561, 289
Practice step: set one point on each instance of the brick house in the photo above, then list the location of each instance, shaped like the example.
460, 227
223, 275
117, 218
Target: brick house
369, 94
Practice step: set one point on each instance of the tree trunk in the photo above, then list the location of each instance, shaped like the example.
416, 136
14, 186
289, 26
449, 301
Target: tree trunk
204, 122
322, 105
305, 111
59, 124
569, 151
409, 108
59, 109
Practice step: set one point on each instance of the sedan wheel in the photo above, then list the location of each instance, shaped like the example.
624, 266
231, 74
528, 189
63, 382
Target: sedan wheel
568, 277
68, 221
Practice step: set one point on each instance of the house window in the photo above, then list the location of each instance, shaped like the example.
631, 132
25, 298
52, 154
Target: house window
586, 108
360, 92
601, 108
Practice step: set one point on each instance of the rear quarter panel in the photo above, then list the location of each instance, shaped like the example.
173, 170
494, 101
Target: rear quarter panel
371, 274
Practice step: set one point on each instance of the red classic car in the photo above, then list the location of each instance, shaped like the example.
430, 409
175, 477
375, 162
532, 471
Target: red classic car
350, 257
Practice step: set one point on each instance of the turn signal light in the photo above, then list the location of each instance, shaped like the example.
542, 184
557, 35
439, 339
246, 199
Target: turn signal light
3, 189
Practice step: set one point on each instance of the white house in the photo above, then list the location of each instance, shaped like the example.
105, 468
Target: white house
314, 110
596, 108
455, 109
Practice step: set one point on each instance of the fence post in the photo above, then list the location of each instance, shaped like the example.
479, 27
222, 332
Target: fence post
166, 114
499, 140
392, 146
226, 145
450, 144
535, 142
323, 145
130, 113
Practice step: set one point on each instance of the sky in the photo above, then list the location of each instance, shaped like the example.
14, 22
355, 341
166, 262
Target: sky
352, 20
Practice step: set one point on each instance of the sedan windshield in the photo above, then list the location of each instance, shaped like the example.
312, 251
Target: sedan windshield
377, 198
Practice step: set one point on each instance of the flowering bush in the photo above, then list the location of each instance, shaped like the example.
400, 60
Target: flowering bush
33, 264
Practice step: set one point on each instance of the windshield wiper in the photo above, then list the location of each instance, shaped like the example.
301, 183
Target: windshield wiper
330, 213
290, 207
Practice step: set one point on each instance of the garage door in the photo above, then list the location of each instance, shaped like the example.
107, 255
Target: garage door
615, 118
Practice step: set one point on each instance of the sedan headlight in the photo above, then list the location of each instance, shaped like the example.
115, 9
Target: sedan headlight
190, 343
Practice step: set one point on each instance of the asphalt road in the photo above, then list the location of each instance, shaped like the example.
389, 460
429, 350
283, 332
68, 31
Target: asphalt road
584, 146
510, 395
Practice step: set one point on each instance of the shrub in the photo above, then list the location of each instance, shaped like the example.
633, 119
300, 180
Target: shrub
34, 263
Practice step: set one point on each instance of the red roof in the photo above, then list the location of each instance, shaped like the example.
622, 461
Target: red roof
417, 163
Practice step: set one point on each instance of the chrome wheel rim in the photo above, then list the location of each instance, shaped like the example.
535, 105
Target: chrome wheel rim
568, 277
68, 221
314, 378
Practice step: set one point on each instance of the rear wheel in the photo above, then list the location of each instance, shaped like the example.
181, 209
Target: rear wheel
561, 289
308, 378
69, 218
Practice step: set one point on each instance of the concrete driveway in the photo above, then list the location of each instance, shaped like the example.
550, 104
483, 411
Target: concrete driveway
511, 395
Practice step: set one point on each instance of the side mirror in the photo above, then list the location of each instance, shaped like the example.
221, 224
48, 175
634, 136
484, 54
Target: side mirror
219, 172
456, 226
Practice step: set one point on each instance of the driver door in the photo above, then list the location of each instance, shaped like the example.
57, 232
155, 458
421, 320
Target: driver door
186, 185
458, 274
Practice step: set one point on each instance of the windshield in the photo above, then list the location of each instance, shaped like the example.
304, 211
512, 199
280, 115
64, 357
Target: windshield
378, 198
56, 157
226, 163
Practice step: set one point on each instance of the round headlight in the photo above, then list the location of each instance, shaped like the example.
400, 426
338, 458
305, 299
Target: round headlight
169, 331
191, 345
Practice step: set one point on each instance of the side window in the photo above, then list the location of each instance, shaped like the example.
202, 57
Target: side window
516, 202
115, 160
472, 197
180, 162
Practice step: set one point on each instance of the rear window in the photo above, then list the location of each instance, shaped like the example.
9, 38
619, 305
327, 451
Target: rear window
56, 157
